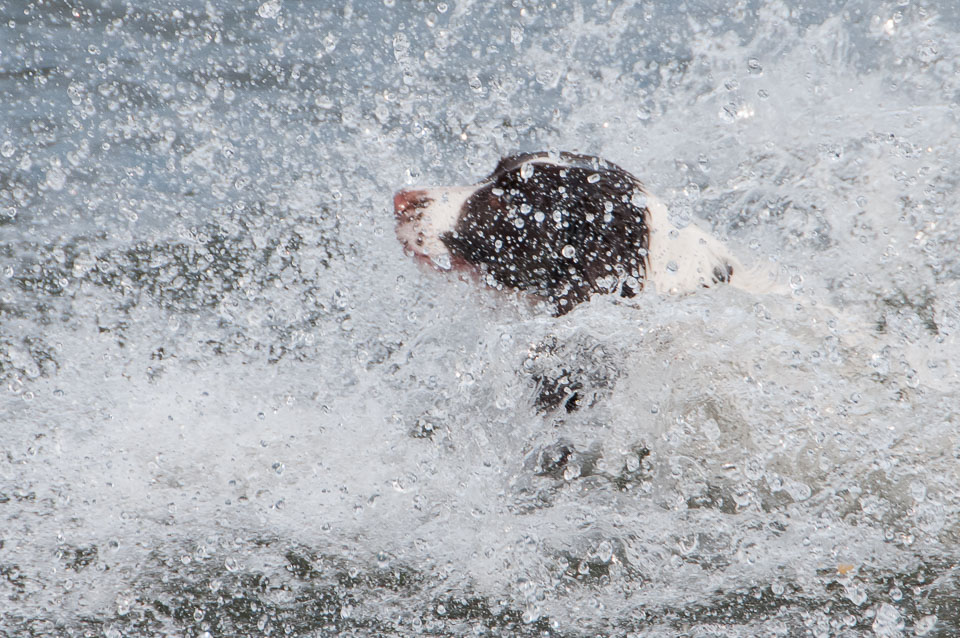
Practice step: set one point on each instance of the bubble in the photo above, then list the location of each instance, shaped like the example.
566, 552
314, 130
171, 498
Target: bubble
7, 149
568, 251
539, 216
594, 178
754, 66
526, 171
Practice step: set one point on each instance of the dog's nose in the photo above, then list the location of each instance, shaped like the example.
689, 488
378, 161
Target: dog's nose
405, 201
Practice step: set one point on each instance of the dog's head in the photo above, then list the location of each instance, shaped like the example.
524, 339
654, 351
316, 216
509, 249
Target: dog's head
558, 226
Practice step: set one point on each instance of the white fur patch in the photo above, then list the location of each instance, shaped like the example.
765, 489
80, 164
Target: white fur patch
681, 260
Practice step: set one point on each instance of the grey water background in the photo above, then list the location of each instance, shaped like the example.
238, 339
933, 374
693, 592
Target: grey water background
232, 406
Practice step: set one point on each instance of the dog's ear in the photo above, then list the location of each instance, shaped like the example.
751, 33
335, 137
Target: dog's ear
509, 163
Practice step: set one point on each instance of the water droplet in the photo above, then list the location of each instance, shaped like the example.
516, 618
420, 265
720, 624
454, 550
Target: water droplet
568, 251
56, 178
928, 51
442, 261
923, 626
672, 266
526, 171
538, 216
918, 490
594, 178
269, 9
7, 149
887, 621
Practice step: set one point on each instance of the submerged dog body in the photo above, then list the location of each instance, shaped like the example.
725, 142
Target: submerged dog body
561, 227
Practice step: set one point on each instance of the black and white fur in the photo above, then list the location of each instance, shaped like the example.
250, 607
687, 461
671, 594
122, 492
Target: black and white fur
562, 227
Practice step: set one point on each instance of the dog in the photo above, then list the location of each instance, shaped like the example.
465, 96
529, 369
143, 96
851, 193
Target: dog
562, 227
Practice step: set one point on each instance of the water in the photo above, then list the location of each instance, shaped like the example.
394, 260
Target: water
233, 407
